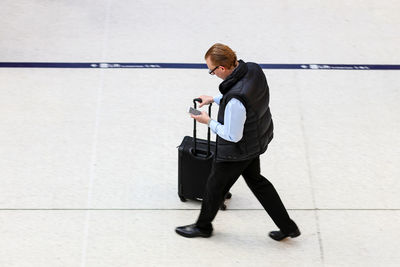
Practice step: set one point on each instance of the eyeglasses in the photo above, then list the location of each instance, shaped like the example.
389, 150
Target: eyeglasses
212, 71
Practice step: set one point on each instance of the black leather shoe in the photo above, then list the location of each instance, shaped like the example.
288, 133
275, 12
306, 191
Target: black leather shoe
192, 231
278, 235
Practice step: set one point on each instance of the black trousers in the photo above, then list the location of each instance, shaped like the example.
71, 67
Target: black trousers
222, 178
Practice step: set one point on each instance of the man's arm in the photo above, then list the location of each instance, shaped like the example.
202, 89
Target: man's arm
217, 99
205, 100
234, 119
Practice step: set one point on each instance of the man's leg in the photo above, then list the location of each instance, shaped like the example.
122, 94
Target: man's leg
268, 197
222, 178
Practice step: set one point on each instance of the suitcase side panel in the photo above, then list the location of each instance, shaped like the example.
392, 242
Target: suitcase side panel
193, 171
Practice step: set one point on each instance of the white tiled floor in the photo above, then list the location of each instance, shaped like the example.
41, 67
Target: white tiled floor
88, 158
360, 238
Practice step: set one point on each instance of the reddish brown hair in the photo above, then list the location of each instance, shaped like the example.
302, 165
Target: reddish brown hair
221, 55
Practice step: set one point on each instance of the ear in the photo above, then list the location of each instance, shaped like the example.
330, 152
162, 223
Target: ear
222, 68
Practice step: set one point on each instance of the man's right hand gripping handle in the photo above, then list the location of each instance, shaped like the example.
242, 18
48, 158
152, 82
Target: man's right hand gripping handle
205, 100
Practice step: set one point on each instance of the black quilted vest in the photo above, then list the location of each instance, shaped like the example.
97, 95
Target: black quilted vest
248, 84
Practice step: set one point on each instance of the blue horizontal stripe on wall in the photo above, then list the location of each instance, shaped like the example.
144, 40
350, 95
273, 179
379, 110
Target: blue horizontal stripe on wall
106, 65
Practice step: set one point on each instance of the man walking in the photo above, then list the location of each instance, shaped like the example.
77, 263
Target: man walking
244, 129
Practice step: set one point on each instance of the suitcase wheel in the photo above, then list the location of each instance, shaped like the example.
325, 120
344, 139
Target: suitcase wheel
183, 199
223, 207
228, 196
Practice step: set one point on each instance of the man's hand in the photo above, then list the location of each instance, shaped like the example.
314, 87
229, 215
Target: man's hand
205, 100
202, 118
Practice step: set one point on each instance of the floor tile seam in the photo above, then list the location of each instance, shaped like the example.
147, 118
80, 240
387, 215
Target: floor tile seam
92, 170
95, 136
309, 172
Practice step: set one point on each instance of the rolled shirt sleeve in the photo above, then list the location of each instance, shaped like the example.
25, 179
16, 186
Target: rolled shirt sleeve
234, 119
217, 99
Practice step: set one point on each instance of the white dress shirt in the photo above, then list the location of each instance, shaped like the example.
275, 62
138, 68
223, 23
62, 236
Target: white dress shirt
234, 119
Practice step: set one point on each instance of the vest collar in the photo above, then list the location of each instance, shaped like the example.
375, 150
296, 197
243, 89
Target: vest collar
234, 77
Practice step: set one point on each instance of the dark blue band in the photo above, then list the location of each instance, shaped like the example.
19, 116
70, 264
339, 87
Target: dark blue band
107, 65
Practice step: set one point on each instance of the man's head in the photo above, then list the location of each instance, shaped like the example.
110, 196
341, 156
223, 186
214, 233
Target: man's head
221, 60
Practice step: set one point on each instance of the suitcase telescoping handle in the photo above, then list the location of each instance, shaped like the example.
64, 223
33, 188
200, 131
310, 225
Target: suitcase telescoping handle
194, 128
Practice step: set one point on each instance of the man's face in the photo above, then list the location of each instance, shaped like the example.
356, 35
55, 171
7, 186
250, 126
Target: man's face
219, 71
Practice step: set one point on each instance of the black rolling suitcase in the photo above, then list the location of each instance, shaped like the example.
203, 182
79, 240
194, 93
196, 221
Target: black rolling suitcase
195, 158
